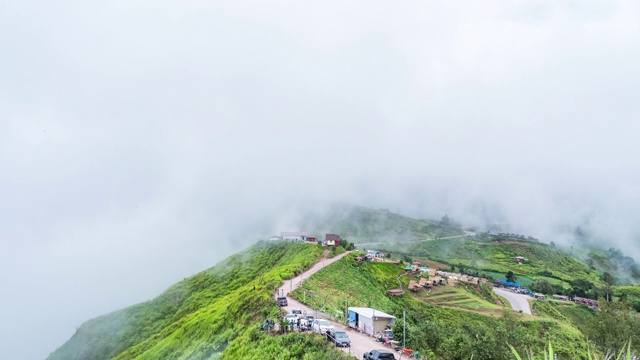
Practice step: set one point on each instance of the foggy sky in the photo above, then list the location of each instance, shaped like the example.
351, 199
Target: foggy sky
143, 142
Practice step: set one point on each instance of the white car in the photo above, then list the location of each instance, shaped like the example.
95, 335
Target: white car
297, 313
290, 317
321, 326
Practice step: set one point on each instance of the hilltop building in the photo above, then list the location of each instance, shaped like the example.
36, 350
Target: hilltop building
332, 239
374, 253
294, 236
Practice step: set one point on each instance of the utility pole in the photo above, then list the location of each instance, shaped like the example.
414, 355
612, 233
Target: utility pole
346, 310
373, 330
404, 329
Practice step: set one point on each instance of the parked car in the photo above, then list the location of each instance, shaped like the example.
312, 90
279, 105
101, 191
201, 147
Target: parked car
282, 301
339, 337
378, 354
290, 317
309, 318
321, 326
297, 313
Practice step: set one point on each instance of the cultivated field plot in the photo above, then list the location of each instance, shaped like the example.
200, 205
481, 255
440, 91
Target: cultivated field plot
460, 299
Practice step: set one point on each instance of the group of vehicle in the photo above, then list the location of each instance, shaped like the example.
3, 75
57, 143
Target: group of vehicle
324, 327
306, 322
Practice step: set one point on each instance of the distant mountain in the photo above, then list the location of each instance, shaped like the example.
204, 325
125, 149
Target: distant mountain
360, 224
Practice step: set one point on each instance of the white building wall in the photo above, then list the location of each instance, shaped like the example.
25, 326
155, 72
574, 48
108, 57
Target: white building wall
366, 325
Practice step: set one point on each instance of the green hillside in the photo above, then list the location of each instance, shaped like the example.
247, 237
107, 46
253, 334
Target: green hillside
214, 314
360, 224
451, 323
495, 258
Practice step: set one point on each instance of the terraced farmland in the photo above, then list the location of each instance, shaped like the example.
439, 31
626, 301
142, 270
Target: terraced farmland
458, 298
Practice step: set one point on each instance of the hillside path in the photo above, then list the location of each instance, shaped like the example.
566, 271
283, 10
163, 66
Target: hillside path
415, 240
290, 285
360, 342
518, 301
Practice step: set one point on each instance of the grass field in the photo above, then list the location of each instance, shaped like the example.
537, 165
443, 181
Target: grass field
458, 298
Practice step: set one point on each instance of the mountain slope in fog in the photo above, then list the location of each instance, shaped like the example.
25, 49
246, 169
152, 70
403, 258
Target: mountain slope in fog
202, 316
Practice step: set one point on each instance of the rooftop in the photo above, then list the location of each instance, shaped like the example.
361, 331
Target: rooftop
294, 233
369, 312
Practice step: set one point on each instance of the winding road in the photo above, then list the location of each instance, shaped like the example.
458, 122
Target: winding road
518, 301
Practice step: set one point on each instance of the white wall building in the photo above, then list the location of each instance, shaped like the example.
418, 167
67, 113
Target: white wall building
374, 253
294, 236
368, 320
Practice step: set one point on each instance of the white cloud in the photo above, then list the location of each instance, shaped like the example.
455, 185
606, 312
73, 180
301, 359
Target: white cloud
139, 144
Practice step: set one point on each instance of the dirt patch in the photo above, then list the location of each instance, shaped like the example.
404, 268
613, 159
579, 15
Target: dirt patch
434, 264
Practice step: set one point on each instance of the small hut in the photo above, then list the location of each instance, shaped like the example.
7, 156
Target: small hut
414, 286
395, 292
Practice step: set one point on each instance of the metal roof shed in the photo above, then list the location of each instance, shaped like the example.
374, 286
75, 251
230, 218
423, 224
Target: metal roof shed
368, 320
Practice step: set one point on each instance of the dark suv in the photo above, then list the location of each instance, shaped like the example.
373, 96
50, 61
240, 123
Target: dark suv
378, 354
282, 301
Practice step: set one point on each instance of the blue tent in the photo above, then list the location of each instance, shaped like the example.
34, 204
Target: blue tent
504, 282
510, 283
517, 285
352, 316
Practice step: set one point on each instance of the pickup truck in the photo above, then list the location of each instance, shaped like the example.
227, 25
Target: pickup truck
320, 326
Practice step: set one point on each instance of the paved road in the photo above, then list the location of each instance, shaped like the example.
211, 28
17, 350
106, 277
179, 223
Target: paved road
518, 301
360, 343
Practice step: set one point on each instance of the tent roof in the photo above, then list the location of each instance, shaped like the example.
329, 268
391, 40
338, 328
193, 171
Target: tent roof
369, 312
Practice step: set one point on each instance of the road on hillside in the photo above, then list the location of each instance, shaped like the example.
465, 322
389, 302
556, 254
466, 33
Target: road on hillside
518, 301
360, 342
414, 241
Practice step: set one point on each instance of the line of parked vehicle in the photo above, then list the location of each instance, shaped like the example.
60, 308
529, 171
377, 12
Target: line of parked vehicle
306, 322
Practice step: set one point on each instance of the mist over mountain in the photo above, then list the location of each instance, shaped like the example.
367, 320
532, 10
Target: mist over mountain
142, 143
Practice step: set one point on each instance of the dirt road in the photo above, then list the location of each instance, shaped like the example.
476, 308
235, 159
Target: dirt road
360, 343
518, 301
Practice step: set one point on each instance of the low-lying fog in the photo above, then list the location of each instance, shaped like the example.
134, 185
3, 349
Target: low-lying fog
143, 142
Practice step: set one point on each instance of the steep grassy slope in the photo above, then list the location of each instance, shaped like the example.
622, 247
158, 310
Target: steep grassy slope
203, 315
578, 315
447, 330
